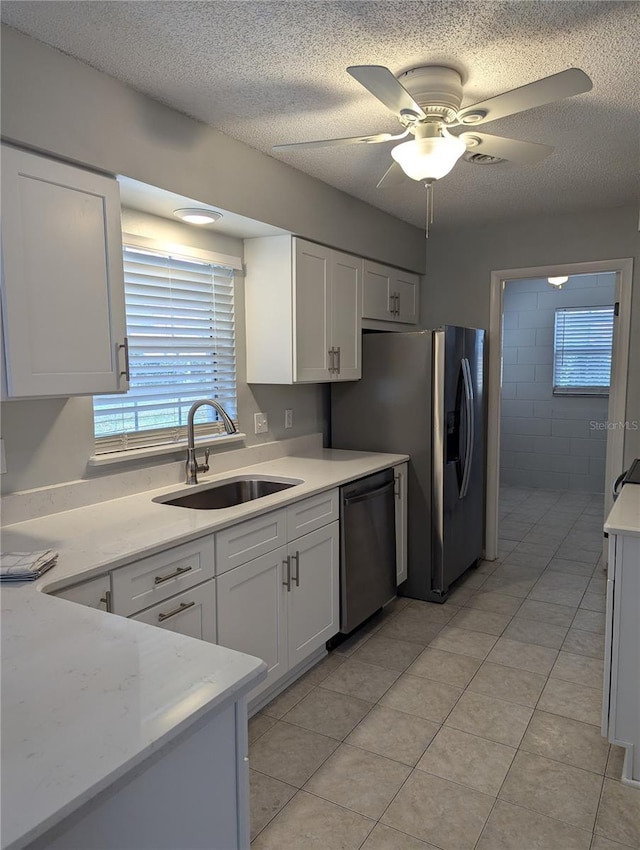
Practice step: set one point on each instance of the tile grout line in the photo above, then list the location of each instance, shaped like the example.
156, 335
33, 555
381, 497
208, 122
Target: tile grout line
413, 768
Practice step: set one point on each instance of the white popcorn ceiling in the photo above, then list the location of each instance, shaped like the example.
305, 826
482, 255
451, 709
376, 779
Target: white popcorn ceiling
274, 72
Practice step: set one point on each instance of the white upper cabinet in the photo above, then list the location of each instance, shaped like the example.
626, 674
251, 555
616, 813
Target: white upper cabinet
389, 295
62, 280
303, 305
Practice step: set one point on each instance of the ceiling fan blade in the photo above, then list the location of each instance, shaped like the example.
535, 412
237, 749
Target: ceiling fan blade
524, 153
393, 176
351, 140
556, 87
382, 84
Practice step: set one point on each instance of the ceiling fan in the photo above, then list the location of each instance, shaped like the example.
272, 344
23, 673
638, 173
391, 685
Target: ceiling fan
427, 102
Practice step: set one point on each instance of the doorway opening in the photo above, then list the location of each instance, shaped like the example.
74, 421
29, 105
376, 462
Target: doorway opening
513, 294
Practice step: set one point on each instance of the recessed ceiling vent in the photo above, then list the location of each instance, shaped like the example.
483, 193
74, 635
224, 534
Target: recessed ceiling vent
481, 158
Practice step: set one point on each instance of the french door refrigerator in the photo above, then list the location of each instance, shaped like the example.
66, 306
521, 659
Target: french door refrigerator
422, 394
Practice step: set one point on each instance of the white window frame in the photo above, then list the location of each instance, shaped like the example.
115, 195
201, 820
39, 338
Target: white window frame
565, 384
116, 448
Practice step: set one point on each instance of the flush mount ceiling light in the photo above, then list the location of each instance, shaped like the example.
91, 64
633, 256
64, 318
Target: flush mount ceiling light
198, 216
430, 156
557, 281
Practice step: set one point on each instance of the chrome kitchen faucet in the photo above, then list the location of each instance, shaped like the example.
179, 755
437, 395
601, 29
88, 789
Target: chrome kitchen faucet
192, 466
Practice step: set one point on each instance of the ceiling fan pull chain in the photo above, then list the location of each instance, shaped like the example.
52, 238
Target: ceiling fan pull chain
429, 186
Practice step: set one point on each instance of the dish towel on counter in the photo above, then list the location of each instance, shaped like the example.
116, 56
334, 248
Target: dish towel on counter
26, 566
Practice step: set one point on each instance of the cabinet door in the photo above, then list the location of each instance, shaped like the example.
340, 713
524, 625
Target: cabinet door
400, 474
252, 612
406, 287
376, 292
62, 289
191, 613
95, 593
346, 308
313, 603
311, 332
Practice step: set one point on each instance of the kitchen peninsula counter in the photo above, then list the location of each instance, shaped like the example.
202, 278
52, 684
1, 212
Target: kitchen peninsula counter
90, 697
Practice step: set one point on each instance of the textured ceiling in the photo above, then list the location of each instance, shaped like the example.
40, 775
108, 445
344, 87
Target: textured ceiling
274, 72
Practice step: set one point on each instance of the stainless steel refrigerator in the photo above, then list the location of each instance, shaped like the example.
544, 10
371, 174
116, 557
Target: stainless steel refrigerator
422, 394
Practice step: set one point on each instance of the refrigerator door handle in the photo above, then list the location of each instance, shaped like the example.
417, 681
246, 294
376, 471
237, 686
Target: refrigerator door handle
470, 426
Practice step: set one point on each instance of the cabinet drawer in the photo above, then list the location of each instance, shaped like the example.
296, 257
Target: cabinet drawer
248, 540
93, 593
312, 513
153, 579
191, 613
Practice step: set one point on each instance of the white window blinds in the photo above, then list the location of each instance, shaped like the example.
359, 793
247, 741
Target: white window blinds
180, 325
583, 341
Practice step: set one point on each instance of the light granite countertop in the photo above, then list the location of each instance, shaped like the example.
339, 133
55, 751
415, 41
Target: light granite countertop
88, 695
624, 516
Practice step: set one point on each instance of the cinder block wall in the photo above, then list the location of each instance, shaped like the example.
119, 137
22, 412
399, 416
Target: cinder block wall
548, 441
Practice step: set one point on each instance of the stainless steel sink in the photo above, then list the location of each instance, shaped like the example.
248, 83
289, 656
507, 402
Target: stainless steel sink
227, 494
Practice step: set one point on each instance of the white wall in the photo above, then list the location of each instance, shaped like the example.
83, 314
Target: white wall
460, 261
548, 441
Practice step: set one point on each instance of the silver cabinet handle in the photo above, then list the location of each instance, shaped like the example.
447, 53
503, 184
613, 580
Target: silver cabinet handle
178, 572
127, 372
296, 558
106, 600
338, 359
396, 485
392, 303
181, 607
287, 582
331, 360
397, 303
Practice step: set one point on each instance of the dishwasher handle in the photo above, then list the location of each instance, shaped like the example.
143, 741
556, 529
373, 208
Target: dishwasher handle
370, 494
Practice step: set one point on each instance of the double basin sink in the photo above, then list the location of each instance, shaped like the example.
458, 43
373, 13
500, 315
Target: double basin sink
227, 494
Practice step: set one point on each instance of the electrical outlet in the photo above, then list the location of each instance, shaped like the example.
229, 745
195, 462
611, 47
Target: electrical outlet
288, 418
261, 422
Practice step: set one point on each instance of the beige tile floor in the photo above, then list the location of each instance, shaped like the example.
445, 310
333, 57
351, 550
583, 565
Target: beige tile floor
473, 724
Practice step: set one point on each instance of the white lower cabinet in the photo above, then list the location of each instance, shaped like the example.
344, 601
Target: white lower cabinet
192, 613
252, 611
621, 692
282, 606
401, 473
191, 793
313, 594
95, 593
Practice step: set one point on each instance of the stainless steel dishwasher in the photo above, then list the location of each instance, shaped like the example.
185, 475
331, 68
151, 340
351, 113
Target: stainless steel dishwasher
367, 548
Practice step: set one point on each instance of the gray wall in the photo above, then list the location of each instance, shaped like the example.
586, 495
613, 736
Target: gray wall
548, 441
49, 441
55, 104
59, 105
460, 261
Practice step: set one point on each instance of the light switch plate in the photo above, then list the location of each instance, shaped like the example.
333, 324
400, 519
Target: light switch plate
261, 422
3, 460
288, 418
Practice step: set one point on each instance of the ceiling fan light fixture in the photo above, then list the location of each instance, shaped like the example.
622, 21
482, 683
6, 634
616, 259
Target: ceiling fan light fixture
429, 158
198, 216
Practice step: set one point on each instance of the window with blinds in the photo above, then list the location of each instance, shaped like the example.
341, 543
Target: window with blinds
583, 341
180, 325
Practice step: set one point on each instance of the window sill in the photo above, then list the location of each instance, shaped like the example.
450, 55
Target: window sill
114, 458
